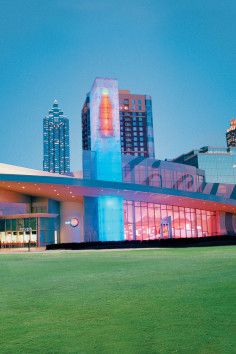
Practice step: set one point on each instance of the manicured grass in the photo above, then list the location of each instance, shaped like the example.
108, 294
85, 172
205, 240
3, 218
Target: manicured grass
135, 301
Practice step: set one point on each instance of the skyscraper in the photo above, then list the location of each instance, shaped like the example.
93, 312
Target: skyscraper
231, 134
56, 147
136, 125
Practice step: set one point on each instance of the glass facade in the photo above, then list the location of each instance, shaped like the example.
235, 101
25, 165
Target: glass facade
163, 174
219, 168
106, 164
18, 232
218, 163
144, 221
135, 124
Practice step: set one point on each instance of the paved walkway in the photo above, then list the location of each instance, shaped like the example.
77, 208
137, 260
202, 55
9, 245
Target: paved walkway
43, 249
22, 250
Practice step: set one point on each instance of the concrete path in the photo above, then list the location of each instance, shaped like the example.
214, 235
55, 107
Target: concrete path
22, 250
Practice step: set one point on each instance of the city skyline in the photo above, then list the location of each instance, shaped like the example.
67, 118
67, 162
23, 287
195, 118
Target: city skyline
182, 55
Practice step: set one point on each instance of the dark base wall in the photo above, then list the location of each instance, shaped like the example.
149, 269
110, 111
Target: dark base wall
184, 242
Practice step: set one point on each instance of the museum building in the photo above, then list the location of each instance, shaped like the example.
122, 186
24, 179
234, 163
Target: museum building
118, 197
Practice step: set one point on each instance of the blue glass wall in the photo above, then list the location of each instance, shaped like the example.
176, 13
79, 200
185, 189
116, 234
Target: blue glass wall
111, 220
220, 168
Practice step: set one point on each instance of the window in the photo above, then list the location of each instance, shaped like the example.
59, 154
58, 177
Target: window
139, 102
126, 101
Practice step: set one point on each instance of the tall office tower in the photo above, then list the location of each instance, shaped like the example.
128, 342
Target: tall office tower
136, 125
231, 134
56, 147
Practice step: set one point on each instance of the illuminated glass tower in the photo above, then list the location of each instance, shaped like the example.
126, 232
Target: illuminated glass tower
56, 147
101, 130
136, 124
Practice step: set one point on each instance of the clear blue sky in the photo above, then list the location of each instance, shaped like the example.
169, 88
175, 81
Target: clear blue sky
182, 53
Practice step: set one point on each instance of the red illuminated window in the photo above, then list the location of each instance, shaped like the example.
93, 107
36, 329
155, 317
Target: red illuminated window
105, 115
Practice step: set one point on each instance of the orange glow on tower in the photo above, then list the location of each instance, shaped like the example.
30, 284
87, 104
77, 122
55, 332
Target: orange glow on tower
105, 115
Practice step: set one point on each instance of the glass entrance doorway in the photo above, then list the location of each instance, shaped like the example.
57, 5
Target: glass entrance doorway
18, 232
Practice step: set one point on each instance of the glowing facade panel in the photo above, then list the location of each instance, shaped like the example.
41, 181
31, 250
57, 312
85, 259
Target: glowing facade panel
110, 219
105, 129
106, 115
105, 145
149, 221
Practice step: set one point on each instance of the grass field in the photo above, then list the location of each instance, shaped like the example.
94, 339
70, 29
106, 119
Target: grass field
135, 301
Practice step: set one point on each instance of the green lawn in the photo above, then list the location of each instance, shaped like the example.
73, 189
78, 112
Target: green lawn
135, 301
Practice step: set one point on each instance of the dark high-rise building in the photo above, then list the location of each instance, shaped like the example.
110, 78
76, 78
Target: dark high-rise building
86, 129
56, 147
231, 134
136, 125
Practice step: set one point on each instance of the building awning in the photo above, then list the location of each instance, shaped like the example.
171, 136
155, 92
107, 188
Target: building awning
74, 189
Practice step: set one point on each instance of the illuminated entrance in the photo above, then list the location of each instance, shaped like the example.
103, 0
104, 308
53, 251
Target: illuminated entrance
18, 232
